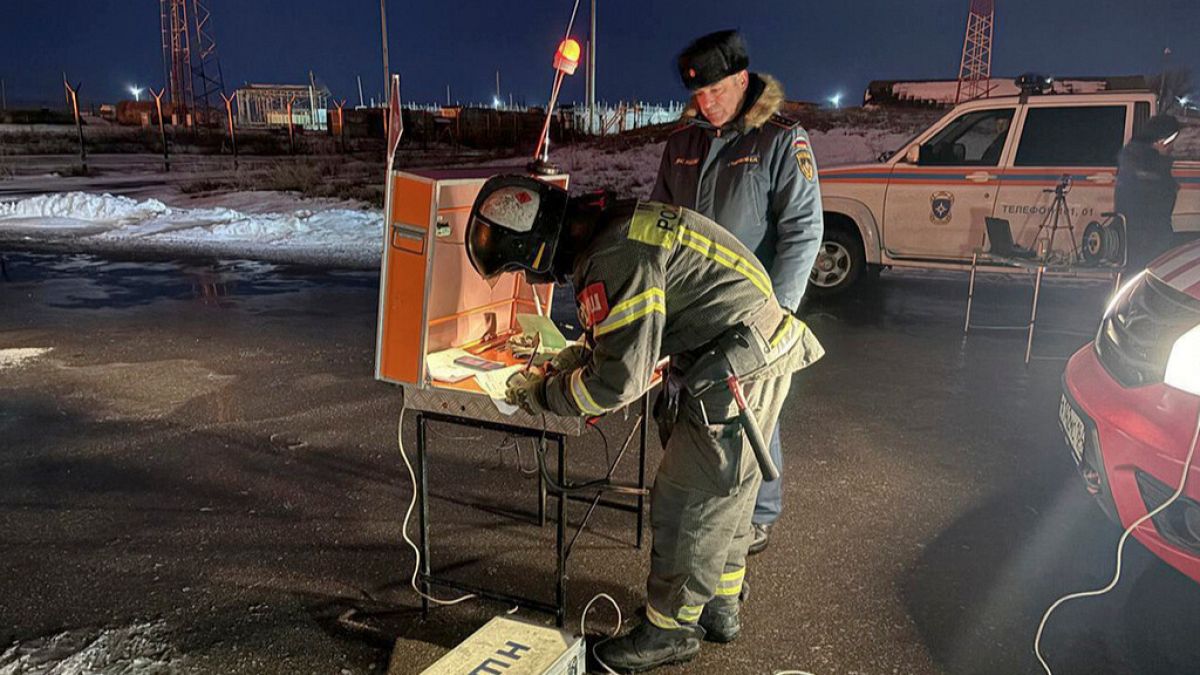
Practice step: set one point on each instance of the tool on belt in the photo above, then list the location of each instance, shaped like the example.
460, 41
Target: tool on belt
737, 353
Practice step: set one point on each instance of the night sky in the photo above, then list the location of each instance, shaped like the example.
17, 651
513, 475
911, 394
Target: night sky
815, 49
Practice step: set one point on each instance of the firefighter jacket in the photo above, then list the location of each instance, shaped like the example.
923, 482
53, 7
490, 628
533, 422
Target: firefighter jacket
658, 280
757, 177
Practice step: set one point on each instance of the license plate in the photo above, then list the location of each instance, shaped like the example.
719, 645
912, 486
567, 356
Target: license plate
1073, 429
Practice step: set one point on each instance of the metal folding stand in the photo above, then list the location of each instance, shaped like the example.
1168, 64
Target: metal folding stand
1039, 269
563, 548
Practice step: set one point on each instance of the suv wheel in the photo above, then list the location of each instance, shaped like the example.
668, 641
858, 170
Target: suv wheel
840, 264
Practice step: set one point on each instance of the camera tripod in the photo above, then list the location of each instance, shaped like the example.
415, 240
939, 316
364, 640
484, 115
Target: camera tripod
1058, 212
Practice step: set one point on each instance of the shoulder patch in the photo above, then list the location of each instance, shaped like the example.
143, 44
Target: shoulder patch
655, 224
781, 120
593, 304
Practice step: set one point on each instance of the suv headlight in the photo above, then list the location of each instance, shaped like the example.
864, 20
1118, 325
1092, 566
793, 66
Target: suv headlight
1183, 365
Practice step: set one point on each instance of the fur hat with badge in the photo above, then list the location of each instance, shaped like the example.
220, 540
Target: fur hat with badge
711, 58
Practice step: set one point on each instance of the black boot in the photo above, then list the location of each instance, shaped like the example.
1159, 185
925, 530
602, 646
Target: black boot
647, 646
721, 620
762, 537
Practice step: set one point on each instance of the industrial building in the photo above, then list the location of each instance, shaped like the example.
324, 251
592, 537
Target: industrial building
260, 106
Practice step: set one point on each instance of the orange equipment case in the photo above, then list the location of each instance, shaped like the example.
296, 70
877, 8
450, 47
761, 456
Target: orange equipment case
430, 298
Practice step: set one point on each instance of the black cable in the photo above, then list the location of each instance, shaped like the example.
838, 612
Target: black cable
601, 484
592, 424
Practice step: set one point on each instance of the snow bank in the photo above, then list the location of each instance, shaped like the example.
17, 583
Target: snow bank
842, 146
13, 358
82, 206
138, 649
632, 171
333, 235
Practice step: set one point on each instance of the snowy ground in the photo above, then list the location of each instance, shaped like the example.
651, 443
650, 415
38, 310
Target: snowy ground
141, 649
283, 227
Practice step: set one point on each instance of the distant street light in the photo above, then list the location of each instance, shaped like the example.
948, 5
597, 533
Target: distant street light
137, 92
835, 100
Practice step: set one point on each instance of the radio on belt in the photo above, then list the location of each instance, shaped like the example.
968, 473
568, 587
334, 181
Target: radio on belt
505, 646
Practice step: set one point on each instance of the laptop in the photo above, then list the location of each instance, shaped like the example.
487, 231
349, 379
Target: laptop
1000, 241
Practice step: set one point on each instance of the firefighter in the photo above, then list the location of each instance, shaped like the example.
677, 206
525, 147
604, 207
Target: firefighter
655, 280
740, 162
1146, 190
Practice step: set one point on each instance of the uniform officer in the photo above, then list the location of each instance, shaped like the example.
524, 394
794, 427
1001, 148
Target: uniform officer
740, 162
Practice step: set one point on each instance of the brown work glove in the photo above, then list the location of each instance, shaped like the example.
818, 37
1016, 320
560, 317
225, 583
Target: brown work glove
527, 390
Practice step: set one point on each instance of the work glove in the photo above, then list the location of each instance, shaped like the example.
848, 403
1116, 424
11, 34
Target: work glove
527, 390
570, 358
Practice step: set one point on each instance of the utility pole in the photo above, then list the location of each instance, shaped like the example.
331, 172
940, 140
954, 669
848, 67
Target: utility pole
341, 124
312, 100
361, 103
162, 130
229, 116
591, 70
73, 98
497, 88
1162, 78
383, 25
447, 96
291, 128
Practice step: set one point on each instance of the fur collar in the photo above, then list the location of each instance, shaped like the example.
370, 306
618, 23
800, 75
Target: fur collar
767, 102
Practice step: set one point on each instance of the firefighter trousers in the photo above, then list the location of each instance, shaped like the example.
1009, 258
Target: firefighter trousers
703, 501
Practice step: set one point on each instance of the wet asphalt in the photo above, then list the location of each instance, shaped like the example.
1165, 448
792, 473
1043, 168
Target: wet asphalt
204, 446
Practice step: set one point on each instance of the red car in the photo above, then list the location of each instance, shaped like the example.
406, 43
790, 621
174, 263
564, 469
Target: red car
1131, 403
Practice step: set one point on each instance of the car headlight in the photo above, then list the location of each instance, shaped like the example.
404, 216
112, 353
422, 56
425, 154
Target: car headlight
1122, 292
1183, 365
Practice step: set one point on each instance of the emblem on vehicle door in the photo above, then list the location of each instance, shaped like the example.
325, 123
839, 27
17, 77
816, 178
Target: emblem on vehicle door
941, 205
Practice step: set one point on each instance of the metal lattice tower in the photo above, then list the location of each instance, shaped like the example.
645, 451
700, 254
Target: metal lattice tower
191, 71
975, 70
177, 54
206, 69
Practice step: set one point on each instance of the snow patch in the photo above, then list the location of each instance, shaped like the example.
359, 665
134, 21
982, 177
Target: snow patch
13, 358
83, 206
340, 234
141, 648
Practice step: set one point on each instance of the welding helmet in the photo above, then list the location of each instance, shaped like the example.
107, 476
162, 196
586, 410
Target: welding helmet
515, 226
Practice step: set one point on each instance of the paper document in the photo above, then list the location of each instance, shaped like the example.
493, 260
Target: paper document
552, 338
495, 382
442, 367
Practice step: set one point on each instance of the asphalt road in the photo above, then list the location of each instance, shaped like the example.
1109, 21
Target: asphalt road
203, 472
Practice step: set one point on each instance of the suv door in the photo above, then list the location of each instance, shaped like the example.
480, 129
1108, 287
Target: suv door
1080, 142
935, 209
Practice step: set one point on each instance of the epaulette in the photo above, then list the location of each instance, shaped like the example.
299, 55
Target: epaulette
779, 119
680, 126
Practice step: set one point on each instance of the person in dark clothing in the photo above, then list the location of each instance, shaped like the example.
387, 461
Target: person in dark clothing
1146, 190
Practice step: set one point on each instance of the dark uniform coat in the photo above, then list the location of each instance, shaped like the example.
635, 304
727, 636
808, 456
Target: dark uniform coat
757, 177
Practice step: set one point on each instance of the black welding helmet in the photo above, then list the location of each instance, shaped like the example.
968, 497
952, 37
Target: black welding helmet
515, 226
